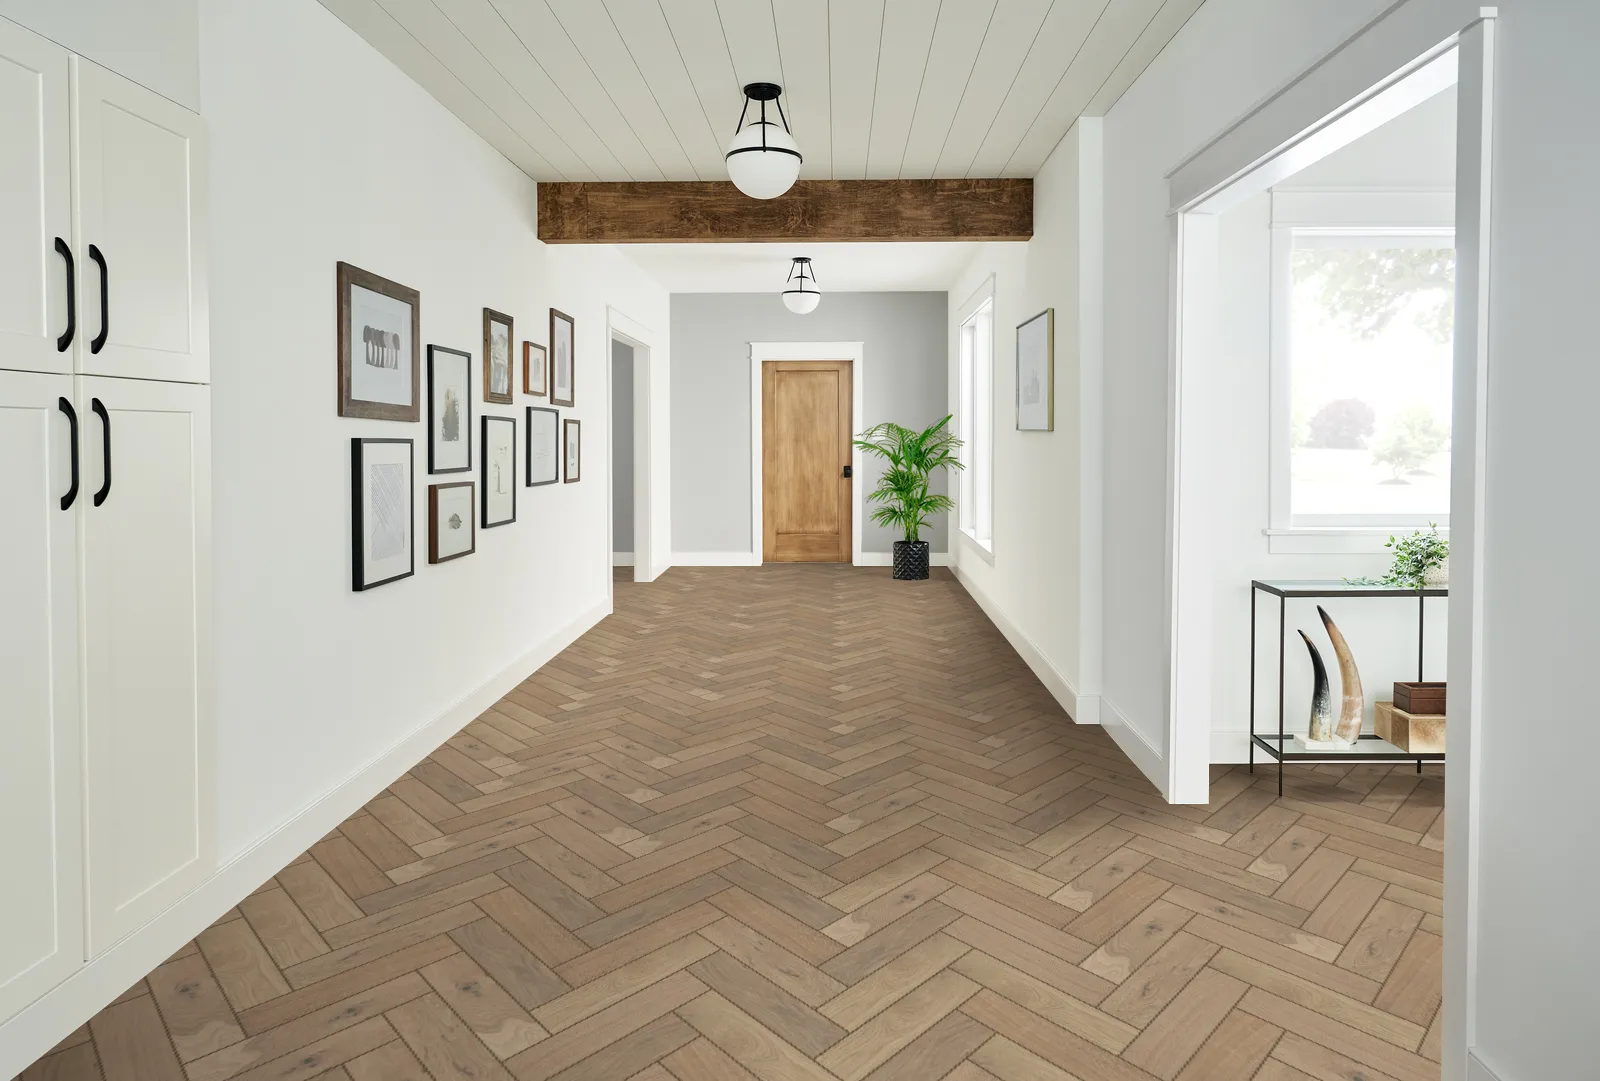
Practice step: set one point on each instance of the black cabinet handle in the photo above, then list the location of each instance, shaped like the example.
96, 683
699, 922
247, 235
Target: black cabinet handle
105, 418
72, 297
848, 472
105, 300
72, 430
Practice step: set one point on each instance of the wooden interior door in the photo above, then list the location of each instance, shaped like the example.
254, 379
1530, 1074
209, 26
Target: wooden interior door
805, 452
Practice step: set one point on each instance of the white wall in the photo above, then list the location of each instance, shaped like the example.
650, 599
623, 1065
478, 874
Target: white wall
1230, 55
1538, 802
1416, 151
324, 696
1042, 585
153, 42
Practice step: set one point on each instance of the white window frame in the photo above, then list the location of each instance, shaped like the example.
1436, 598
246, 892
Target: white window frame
975, 483
1383, 217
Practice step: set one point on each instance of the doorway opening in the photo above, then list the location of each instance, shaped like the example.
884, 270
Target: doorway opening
638, 516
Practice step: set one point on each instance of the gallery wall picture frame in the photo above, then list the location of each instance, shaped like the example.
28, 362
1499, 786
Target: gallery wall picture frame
498, 458
572, 443
543, 447
563, 358
497, 339
1036, 373
452, 526
382, 512
535, 370
449, 410
380, 352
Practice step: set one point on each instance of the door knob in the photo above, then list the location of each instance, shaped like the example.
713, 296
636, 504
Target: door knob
847, 472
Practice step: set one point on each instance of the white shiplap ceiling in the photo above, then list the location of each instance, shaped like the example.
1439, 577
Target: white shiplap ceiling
649, 89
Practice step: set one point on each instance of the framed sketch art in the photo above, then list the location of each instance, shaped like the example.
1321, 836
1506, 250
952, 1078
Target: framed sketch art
573, 445
561, 358
544, 447
499, 471
449, 410
382, 517
496, 357
451, 531
534, 373
380, 330
1036, 373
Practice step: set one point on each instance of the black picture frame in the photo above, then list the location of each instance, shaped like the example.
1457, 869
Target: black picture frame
465, 360
486, 466
358, 568
527, 464
572, 476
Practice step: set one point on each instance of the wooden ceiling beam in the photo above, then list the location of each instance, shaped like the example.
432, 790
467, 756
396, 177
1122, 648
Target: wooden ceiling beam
711, 211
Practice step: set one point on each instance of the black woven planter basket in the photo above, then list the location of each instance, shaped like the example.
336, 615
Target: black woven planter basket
911, 560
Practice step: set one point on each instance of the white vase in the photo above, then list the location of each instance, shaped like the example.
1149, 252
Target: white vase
1438, 577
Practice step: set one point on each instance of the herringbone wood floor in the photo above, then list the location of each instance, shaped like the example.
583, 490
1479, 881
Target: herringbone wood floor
804, 823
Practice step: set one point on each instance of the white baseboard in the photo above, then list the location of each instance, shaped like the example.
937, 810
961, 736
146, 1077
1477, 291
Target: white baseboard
622, 559
1476, 1070
886, 559
715, 559
47, 1020
1231, 747
1079, 707
1144, 754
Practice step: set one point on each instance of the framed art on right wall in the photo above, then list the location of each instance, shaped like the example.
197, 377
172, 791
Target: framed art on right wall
572, 444
1036, 373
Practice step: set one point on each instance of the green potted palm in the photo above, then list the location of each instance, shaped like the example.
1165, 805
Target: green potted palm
905, 503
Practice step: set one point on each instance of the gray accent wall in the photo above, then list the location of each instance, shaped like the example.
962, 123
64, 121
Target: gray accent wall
905, 380
621, 447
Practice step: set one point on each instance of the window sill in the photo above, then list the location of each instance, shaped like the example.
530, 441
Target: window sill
984, 551
1336, 540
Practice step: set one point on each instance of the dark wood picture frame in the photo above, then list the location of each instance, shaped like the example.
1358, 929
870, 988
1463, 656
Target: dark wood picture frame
348, 276
466, 426
491, 317
572, 340
571, 475
527, 443
484, 466
534, 366
433, 522
358, 580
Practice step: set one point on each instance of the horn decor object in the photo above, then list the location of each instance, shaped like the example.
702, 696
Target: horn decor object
1321, 699
1353, 701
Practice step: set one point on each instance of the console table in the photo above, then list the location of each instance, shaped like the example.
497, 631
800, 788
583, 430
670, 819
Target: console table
1366, 749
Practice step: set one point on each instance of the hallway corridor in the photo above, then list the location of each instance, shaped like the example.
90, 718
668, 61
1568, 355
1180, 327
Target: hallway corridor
805, 823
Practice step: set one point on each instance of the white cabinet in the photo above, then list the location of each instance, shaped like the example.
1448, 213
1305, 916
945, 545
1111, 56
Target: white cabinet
138, 189
106, 773
41, 784
36, 207
145, 543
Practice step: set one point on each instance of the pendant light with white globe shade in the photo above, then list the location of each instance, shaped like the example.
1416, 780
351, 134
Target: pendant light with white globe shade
802, 296
763, 158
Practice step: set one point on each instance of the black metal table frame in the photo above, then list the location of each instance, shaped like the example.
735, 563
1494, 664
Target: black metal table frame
1311, 758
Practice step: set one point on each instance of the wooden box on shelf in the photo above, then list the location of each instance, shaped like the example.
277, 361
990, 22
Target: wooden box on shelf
1414, 733
1420, 697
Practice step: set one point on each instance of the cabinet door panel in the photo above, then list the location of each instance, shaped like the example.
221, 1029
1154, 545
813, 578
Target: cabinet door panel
35, 185
146, 588
139, 188
41, 790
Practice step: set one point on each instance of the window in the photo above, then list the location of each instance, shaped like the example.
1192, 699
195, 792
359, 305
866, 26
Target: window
975, 418
1362, 378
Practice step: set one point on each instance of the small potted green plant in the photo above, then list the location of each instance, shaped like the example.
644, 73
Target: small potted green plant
905, 503
1421, 561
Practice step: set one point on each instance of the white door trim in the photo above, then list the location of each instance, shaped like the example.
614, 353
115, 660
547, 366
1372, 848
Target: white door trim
765, 351
649, 559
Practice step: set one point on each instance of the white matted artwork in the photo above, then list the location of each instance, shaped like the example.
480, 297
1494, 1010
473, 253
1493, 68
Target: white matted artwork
499, 471
497, 332
451, 530
379, 355
562, 363
573, 438
1036, 361
449, 410
382, 517
544, 447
